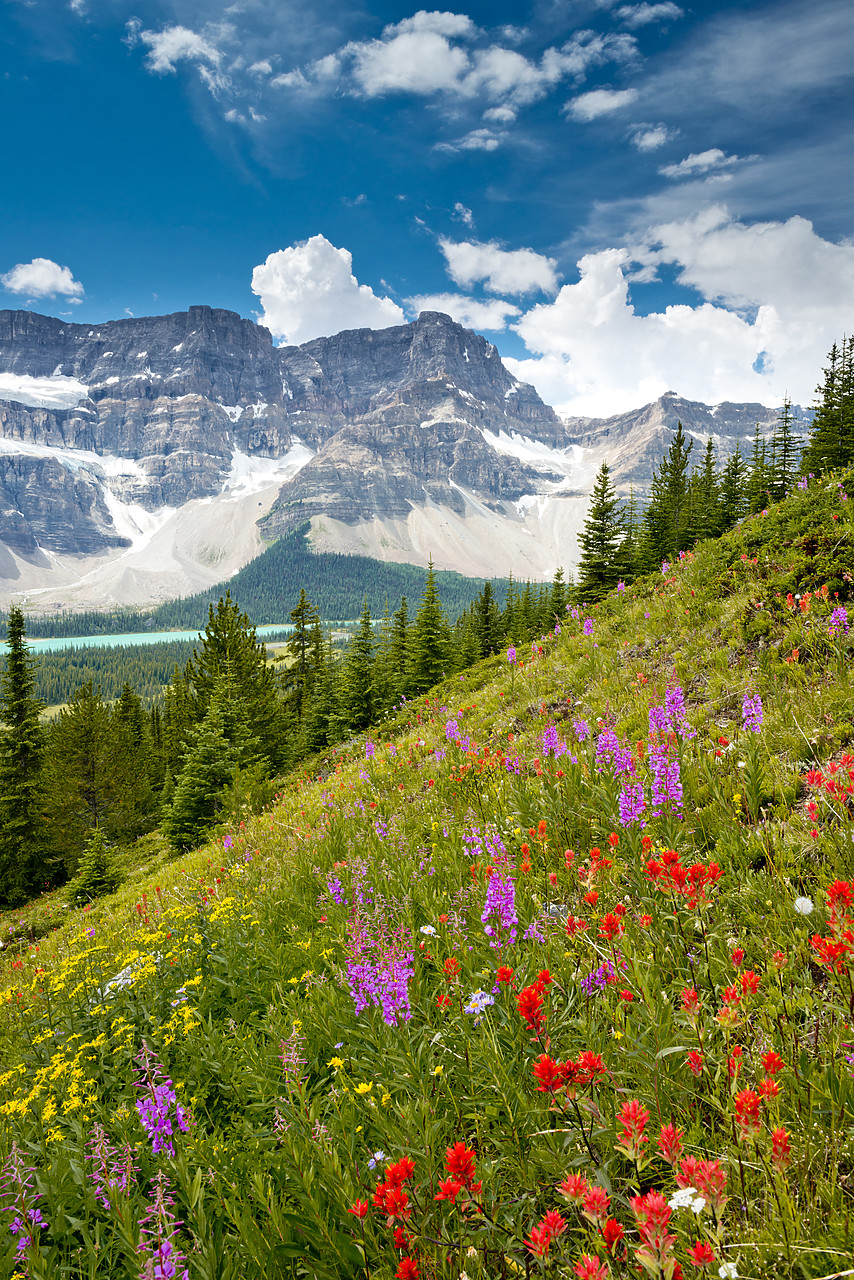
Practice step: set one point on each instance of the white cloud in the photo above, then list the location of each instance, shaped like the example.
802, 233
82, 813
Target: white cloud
465, 215
649, 137
42, 278
438, 53
700, 163
639, 15
492, 314
514, 271
309, 291
600, 102
177, 44
477, 140
776, 296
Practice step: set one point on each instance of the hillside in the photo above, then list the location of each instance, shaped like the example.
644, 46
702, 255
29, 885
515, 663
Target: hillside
548, 973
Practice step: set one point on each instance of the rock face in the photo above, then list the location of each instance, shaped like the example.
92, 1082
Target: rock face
174, 433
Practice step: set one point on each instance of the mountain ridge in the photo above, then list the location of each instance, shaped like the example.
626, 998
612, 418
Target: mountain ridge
151, 457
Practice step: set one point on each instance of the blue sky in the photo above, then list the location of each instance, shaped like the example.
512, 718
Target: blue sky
625, 198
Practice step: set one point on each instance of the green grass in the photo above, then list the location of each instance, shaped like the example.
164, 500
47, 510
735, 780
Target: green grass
235, 974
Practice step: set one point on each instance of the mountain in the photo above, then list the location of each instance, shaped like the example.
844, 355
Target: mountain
143, 459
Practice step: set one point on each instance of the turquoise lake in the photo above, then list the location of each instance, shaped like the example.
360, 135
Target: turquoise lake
49, 644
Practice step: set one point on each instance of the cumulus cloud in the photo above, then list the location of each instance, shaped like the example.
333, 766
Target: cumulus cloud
600, 102
445, 53
309, 291
176, 44
491, 314
700, 163
42, 278
640, 15
775, 297
649, 137
514, 271
465, 215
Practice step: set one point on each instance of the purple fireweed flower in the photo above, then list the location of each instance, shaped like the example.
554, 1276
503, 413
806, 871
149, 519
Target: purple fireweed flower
499, 912
534, 933
838, 622
665, 568
621, 586
609, 751
370, 750
155, 1107
511, 653
227, 842
20, 1198
160, 1259
335, 889
751, 712
452, 731
580, 728
379, 972
111, 1170
599, 979
587, 628
803, 483
291, 1056
666, 781
552, 743
632, 804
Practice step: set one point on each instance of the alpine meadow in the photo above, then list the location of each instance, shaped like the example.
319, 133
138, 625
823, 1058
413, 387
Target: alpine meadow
518, 945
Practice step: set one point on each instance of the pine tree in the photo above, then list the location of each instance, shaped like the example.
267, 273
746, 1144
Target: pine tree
487, 622
359, 671
557, 600
758, 474
208, 771
22, 850
704, 499
784, 453
400, 652
599, 540
230, 642
831, 442
82, 774
302, 646
734, 497
431, 639
99, 871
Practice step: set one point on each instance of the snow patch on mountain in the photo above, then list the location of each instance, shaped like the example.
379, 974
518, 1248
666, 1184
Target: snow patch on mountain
54, 392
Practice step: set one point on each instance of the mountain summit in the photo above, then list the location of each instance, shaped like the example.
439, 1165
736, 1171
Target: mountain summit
146, 458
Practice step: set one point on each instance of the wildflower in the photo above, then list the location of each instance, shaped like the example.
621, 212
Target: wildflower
670, 1143
451, 968
747, 1105
701, 1254
751, 713
155, 1107
590, 1268
574, 1187
407, 1270
443, 1001
511, 654
459, 1161
377, 1158
772, 1062
750, 982
478, 1001
596, 1204
612, 1233
695, 1062
838, 622
687, 1198
803, 906
729, 1271
781, 1154
158, 1255
632, 1118
548, 1074
587, 626
449, 1189
428, 929
359, 1209
529, 1002
110, 1171
504, 974
500, 907
539, 1241
631, 803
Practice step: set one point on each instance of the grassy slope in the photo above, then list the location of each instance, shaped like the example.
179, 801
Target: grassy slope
239, 982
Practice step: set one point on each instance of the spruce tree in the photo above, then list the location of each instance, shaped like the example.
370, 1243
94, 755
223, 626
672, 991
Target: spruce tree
400, 651
83, 774
22, 852
733, 492
600, 539
209, 769
487, 622
302, 646
784, 466
758, 474
431, 639
359, 671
